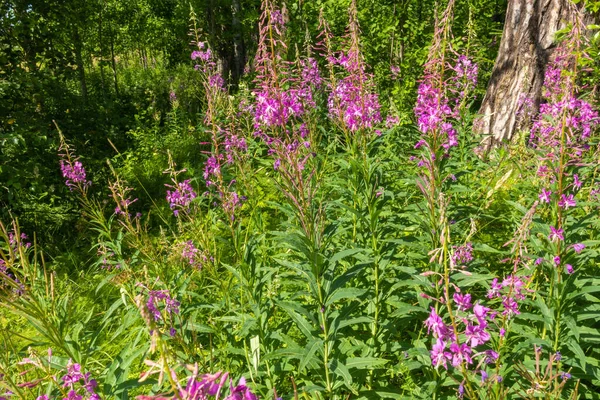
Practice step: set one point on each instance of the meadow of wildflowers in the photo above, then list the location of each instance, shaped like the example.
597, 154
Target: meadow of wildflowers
322, 245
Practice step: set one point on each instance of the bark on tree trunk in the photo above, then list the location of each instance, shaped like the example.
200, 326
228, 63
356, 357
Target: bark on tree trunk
114, 64
525, 48
79, 61
239, 49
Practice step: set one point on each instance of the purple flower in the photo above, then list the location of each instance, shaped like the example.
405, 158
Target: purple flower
74, 173
480, 312
557, 356
208, 386
432, 110
462, 301
438, 354
72, 395
569, 269
484, 376
171, 305
466, 72
73, 375
462, 254
352, 103
181, 197
556, 234
556, 260
90, 384
578, 247
201, 54
310, 72
460, 353
241, 392
495, 289
545, 195
515, 284
565, 375
576, 182
476, 334
511, 307
212, 168
435, 324
567, 201
194, 256
490, 356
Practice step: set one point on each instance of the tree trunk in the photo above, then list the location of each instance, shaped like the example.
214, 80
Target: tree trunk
518, 73
79, 62
114, 64
239, 49
101, 62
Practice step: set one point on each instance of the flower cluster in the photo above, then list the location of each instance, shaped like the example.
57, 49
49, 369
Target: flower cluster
181, 196
462, 254
14, 242
352, 99
74, 174
77, 383
8, 279
204, 387
579, 120
152, 311
472, 324
465, 75
211, 385
234, 146
155, 296
511, 290
203, 53
194, 256
310, 73
433, 111
275, 107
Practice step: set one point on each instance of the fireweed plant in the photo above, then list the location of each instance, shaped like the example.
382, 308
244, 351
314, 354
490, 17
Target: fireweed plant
472, 339
295, 257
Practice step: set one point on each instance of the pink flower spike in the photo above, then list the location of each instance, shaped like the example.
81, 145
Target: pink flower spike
578, 247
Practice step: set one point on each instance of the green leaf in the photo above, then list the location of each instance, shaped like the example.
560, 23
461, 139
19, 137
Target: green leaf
345, 293
311, 348
365, 362
340, 370
302, 323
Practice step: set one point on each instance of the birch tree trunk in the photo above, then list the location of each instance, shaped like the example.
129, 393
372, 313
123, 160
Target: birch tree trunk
525, 48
